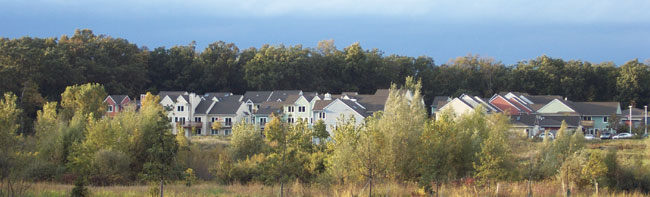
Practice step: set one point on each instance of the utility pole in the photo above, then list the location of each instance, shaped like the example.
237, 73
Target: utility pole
645, 122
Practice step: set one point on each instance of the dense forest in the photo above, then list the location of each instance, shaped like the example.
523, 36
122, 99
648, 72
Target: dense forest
38, 70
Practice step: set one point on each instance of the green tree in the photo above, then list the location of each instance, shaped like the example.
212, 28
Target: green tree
629, 83
156, 144
246, 141
495, 160
371, 161
402, 122
87, 99
345, 138
595, 168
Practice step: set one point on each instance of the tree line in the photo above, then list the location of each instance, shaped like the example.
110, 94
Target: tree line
39, 69
73, 141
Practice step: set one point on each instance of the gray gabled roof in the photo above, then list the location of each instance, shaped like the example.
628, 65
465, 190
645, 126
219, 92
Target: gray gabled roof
291, 99
203, 106
373, 103
257, 96
267, 108
542, 99
225, 107
357, 107
556, 121
172, 94
282, 94
320, 104
437, 99
595, 108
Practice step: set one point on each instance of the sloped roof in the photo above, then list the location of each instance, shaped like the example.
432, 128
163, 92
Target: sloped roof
595, 108
320, 104
372, 103
172, 94
257, 96
282, 94
355, 106
291, 99
556, 121
118, 98
203, 106
209, 95
382, 92
542, 99
267, 108
225, 107
231, 98
635, 112
524, 119
536, 107
437, 99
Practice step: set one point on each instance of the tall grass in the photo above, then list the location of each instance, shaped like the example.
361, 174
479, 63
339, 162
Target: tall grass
544, 188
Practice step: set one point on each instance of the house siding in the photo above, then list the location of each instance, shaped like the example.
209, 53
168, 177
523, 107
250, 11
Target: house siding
502, 104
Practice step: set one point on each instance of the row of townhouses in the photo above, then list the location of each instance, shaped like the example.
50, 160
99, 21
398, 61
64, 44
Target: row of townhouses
194, 113
534, 114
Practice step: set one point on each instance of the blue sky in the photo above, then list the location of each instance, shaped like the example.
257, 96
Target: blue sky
507, 30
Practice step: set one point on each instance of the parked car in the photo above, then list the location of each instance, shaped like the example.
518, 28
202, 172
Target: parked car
623, 136
590, 137
605, 135
550, 136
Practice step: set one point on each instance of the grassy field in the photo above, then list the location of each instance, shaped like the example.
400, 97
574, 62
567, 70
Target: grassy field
210, 189
626, 149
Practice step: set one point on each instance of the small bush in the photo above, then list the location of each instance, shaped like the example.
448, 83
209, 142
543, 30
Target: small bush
80, 189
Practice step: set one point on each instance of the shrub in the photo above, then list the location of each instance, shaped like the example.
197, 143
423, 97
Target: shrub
110, 167
80, 189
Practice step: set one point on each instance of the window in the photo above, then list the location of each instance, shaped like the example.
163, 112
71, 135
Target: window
290, 120
290, 109
175, 119
321, 115
586, 118
198, 131
180, 108
301, 109
109, 108
214, 132
226, 132
214, 119
182, 119
262, 121
605, 119
228, 121
197, 119
250, 107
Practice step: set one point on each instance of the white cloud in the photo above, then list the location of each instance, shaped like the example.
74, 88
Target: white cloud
580, 11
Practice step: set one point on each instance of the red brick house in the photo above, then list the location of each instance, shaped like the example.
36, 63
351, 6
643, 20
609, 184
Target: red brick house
116, 103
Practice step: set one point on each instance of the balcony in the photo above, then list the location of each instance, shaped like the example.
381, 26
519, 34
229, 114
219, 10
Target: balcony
190, 124
587, 123
221, 124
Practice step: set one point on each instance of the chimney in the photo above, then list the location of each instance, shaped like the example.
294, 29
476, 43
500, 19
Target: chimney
328, 96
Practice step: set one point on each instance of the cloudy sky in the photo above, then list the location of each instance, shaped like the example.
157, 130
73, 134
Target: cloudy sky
507, 30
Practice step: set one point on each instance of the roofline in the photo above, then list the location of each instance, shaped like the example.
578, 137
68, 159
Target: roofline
355, 111
557, 101
109, 96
